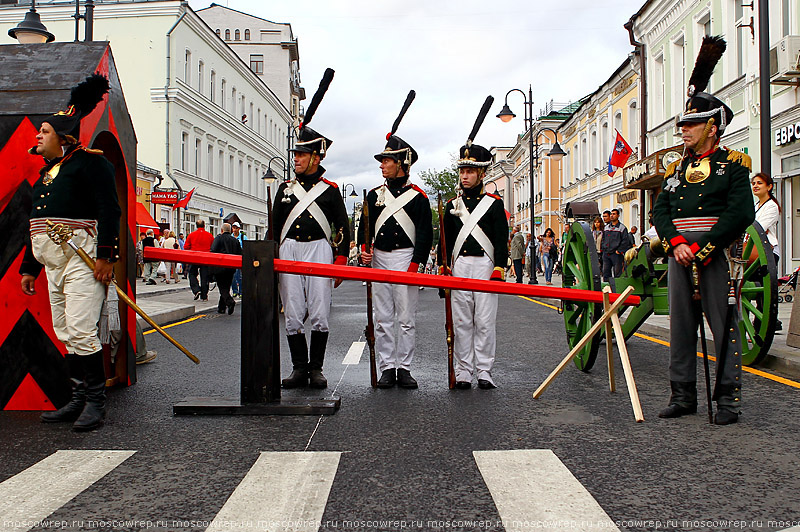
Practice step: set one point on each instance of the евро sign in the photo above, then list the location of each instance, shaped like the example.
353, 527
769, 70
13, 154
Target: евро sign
787, 134
164, 197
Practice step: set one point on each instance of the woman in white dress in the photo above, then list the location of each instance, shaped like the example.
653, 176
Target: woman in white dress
768, 210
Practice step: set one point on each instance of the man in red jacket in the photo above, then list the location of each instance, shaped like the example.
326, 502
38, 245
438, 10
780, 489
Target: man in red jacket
199, 240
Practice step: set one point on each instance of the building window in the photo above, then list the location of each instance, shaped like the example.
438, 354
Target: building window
249, 179
242, 106
184, 150
200, 67
187, 67
230, 179
785, 19
221, 157
246, 35
233, 101
222, 94
678, 74
584, 159
239, 176
227, 35
257, 63
197, 157
217, 32
658, 93
593, 152
252, 122
605, 139
740, 36
213, 86
210, 162
618, 121
633, 123
237, 36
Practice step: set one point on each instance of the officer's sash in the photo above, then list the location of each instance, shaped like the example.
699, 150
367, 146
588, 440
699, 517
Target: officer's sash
471, 227
307, 201
394, 207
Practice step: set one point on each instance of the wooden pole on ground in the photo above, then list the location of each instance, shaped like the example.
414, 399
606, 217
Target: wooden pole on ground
609, 348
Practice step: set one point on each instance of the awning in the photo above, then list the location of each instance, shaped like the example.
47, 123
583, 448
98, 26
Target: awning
143, 218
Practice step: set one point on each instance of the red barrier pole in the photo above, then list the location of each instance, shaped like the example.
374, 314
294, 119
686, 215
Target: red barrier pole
375, 275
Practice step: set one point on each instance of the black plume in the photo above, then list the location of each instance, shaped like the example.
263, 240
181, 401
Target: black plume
406, 105
710, 53
327, 77
479, 121
87, 94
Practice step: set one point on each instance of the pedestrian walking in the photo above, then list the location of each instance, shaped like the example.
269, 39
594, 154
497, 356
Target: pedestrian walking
76, 188
705, 204
400, 234
238, 234
150, 271
225, 242
476, 231
549, 254
199, 240
304, 210
614, 245
171, 242
517, 252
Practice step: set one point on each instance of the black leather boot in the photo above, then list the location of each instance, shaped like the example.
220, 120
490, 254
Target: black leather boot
299, 350
405, 380
316, 353
683, 400
388, 378
95, 410
73, 409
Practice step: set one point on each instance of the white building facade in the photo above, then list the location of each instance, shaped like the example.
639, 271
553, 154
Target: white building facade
187, 92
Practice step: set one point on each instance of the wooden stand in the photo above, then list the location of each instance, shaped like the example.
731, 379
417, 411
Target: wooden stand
609, 320
261, 362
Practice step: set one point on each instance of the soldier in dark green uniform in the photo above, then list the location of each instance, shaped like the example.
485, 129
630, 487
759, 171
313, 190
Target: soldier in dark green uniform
704, 206
77, 189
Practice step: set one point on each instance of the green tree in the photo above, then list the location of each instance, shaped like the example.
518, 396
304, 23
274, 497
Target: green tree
440, 182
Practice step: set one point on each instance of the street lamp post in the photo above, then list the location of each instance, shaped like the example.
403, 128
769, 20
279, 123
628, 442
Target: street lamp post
351, 195
270, 178
555, 152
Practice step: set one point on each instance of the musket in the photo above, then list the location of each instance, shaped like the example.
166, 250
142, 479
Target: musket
62, 234
369, 330
448, 306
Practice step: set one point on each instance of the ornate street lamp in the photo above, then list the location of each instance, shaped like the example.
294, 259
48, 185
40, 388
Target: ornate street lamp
31, 30
269, 178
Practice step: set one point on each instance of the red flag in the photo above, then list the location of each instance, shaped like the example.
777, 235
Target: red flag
621, 152
185, 201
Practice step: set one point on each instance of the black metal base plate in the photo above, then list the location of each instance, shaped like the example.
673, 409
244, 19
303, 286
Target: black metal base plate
226, 406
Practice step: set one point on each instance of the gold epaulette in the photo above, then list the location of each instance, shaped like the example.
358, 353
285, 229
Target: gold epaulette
740, 158
671, 168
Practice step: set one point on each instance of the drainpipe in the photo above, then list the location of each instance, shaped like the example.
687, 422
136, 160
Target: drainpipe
168, 170
640, 51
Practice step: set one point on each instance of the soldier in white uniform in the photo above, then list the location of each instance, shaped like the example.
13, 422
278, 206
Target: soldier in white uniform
400, 235
476, 234
304, 210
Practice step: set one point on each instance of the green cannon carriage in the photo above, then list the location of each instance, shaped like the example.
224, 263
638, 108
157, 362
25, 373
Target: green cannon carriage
647, 273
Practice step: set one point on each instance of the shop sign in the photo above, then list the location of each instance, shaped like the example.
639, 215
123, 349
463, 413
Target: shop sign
164, 197
624, 197
787, 134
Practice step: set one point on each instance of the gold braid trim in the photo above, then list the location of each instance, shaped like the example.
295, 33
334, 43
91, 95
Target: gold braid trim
92, 150
705, 252
672, 168
665, 245
502, 272
740, 158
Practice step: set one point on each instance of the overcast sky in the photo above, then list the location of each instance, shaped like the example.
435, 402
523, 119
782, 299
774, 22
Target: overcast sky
453, 53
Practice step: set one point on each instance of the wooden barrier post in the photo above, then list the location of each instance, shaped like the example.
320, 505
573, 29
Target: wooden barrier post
261, 363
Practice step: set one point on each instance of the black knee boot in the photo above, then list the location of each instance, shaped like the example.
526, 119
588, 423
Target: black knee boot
73, 409
299, 350
319, 340
95, 410
683, 400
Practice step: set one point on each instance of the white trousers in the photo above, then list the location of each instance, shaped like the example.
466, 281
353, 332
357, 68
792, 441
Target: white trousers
75, 296
474, 318
301, 293
394, 306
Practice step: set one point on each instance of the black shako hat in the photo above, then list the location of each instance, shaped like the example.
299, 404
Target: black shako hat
84, 97
308, 140
472, 155
396, 148
701, 106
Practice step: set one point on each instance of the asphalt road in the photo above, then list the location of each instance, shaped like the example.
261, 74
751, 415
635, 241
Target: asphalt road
408, 457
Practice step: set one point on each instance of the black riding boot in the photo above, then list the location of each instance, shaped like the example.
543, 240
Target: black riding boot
73, 409
319, 340
683, 400
95, 410
299, 351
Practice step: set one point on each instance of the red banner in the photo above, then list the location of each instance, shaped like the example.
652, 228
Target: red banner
375, 275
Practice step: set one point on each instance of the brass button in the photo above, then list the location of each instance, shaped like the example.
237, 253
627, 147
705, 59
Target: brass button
699, 195
679, 210
41, 196
733, 340
681, 197
297, 226
38, 208
700, 208
736, 399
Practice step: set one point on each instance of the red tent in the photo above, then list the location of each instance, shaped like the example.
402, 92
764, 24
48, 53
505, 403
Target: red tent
143, 218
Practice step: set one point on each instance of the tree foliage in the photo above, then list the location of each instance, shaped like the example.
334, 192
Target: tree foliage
440, 182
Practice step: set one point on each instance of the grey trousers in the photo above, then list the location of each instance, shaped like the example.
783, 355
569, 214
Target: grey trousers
683, 328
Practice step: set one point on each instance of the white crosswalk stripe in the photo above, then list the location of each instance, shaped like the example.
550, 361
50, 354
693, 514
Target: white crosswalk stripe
283, 491
30, 496
353, 355
534, 490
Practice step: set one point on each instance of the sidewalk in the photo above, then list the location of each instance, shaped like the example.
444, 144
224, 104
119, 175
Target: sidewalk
166, 303
780, 357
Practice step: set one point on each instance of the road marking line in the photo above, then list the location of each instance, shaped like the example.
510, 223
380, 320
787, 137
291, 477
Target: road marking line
534, 490
176, 323
282, 491
31, 495
748, 369
353, 355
